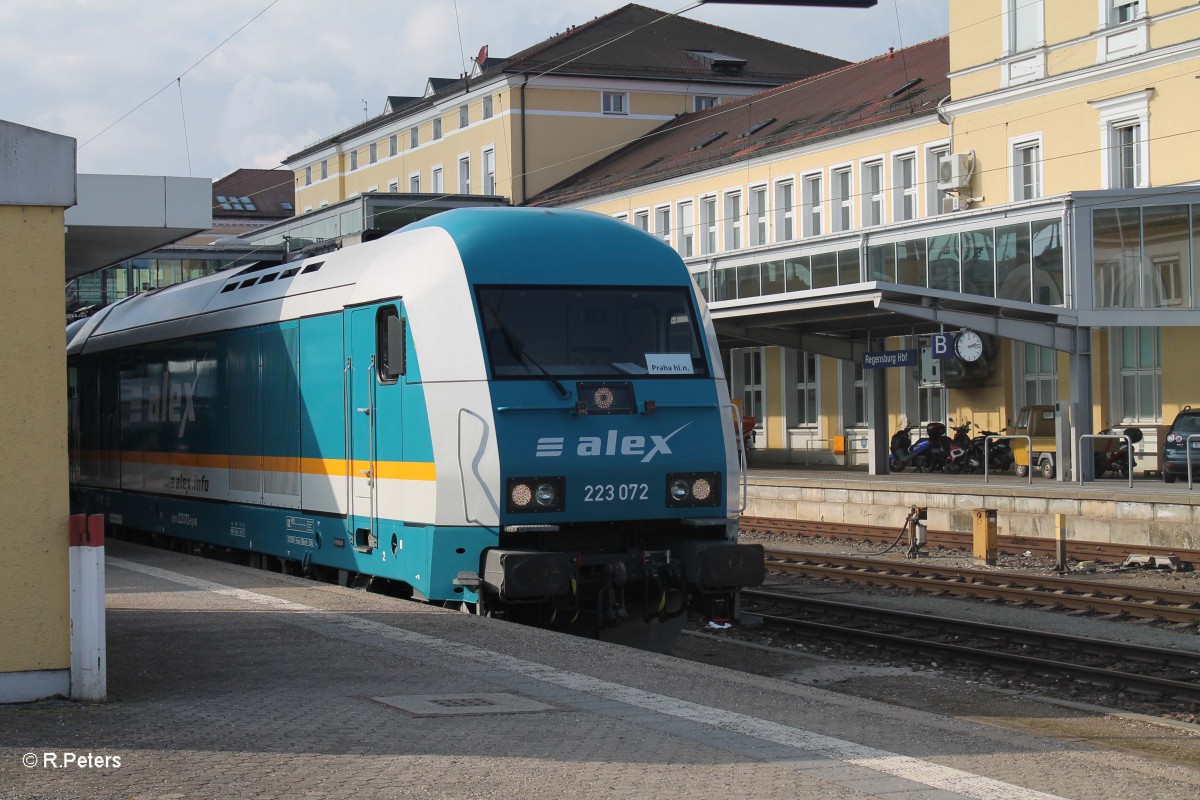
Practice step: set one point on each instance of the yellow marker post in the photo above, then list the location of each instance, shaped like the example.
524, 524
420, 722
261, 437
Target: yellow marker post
985, 537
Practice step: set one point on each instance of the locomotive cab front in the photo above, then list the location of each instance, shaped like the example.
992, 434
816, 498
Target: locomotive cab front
620, 478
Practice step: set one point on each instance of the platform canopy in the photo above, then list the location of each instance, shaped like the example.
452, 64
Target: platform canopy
121, 216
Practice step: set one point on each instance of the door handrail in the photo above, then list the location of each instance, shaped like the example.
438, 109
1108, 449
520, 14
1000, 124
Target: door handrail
743, 457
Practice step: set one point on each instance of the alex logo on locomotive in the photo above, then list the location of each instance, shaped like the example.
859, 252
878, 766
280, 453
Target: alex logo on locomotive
611, 445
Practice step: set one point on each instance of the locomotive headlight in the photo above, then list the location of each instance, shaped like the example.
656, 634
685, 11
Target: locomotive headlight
693, 489
545, 494
537, 494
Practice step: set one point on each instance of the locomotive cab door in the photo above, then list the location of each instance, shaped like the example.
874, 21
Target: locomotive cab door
375, 363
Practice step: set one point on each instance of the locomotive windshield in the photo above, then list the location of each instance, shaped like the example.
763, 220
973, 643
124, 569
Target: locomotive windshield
590, 331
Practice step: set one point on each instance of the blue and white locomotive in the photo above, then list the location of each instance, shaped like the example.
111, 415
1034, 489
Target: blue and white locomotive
519, 410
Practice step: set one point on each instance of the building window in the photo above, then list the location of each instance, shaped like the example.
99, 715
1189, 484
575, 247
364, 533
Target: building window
487, 107
1139, 369
1039, 375
873, 193
324, 168
937, 200
437, 128
353, 160
860, 395
843, 199
414, 136
308, 176
436, 185
1027, 171
373, 152
758, 216
931, 403
641, 220
703, 102
489, 172
1125, 145
687, 221
904, 176
747, 370
1120, 11
814, 206
394, 186
393, 145
464, 116
733, 221
464, 175
662, 223
708, 225
615, 102
785, 211
804, 409
1024, 24
414, 184
1124, 139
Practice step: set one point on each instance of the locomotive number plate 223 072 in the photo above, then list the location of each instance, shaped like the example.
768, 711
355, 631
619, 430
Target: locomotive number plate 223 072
607, 492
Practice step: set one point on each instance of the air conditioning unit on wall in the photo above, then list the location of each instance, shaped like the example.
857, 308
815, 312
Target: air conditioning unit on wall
954, 171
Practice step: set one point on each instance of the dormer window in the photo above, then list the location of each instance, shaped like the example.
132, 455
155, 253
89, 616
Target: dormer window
615, 102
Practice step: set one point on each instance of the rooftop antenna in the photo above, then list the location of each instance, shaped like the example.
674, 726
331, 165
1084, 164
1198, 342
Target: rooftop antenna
365, 117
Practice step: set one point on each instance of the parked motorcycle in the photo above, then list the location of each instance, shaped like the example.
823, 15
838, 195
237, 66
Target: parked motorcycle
959, 455
1116, 458
1000, 454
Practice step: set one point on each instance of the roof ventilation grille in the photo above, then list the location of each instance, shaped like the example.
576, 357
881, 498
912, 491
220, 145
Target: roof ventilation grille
719, 63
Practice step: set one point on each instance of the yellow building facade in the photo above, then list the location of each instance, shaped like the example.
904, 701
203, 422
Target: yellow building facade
516, 126
1058, 141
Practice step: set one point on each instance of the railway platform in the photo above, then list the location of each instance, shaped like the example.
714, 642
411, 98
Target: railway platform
1108, 510
230, 682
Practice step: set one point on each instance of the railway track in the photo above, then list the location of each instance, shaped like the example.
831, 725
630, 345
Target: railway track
1158, 674
1072, 594
955, 540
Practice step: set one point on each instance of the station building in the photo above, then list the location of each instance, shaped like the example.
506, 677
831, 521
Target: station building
514, 126
1027, 178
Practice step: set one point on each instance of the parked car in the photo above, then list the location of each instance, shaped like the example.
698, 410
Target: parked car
1177, 447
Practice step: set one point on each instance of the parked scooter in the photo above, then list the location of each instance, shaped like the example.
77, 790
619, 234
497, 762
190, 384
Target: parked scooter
900, 453
928, 454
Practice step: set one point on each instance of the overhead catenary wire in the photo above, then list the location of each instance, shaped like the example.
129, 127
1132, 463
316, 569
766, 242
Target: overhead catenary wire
195, 64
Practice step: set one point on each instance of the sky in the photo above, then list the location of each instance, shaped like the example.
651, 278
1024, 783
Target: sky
175, 87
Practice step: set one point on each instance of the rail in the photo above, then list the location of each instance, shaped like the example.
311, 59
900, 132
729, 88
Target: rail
1092, 453
987, 440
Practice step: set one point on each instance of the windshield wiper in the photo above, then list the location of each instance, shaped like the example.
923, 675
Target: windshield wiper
518, 352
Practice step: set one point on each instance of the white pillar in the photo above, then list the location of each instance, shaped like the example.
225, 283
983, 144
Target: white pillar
88, 656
